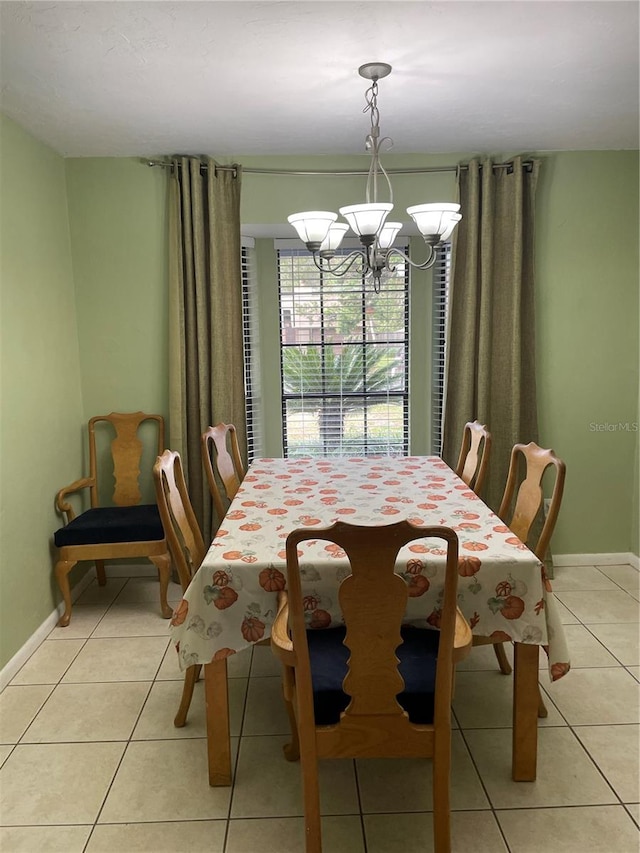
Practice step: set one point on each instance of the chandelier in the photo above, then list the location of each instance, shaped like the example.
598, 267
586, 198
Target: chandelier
322, 235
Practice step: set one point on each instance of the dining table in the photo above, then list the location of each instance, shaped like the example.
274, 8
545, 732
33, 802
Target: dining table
231, 602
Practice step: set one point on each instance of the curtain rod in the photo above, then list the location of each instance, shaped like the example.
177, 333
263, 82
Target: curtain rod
167, 164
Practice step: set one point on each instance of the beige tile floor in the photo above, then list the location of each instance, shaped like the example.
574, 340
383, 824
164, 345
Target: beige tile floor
90, 760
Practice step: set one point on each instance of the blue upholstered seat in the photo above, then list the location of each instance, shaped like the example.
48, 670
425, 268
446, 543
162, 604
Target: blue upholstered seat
418, 657
99, 525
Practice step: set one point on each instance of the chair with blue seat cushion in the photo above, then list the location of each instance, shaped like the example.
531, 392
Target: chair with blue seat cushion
374, 687
126, 529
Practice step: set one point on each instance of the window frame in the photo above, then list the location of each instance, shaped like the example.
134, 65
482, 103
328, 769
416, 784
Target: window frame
402, 394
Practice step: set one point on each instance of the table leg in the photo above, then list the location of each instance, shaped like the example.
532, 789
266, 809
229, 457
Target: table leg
525, 712
217, 704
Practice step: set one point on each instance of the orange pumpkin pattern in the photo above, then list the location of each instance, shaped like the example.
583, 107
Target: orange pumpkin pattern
474, 546
252, 629
513, 607
418, 585
335, 551
559, 669
236, 515
272, 580
415, 567
513, 540
225, 598
435, 617
320, 619
500, 636
468, 566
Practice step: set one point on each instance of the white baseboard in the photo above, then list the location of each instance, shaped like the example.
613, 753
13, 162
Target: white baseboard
621, 559
42, 632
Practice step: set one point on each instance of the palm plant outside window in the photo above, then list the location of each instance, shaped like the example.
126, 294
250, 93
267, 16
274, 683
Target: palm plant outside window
344, 361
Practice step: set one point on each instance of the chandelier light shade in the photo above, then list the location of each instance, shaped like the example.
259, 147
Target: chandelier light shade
387, 234
322, 235
366, 219
313, 226
435, 220
334, 237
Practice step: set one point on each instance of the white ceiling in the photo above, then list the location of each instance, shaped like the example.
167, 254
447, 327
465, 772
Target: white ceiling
225, 78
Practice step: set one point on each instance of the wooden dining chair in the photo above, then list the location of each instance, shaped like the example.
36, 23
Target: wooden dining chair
475, 450
221, 457
521, 505
185, 542
529, 496
373, 687
126, 528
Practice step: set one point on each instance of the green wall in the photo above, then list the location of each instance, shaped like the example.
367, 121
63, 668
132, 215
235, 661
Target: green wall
117, 220
587, 339
40, 425
67, 358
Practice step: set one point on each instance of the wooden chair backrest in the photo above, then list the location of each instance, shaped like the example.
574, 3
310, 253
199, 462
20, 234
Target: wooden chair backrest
529, 496
373, 599
221, 455
126, 452
180, 525
475, 450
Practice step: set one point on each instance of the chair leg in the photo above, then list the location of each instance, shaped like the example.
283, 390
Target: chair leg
542, 708
291, 750
216, 694
163, 564
63, 567
100, 573
441, 793
311, 796
190, 678
501, 655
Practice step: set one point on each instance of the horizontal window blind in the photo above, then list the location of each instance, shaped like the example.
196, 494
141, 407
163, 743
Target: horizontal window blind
440, 314
251, 353
344, 360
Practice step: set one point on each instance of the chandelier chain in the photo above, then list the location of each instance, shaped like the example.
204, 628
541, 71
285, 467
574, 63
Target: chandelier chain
372, 144
371, 98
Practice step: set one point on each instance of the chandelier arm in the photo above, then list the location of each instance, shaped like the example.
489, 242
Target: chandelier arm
370, 143
324, 264
425, 265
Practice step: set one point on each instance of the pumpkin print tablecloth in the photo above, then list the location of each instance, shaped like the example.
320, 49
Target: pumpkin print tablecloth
231, 601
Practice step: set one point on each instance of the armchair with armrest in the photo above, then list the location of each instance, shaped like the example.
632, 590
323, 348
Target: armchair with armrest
126, 529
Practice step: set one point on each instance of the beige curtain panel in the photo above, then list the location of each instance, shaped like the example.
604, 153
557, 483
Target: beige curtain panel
206, 364
491, 341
